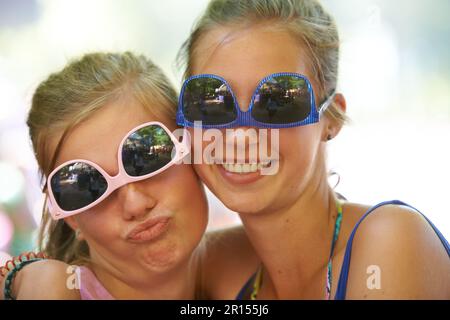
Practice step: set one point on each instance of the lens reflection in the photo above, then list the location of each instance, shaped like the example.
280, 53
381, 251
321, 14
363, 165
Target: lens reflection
282, 99
77, 185
146, 150
208, 100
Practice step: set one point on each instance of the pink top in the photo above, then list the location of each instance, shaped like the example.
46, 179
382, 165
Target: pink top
90, 287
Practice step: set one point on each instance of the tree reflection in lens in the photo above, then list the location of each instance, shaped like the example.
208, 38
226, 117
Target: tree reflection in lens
208, 100
146, 150
77, 185
282, 99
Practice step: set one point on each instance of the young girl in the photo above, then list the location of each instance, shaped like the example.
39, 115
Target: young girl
121, 207
273, 64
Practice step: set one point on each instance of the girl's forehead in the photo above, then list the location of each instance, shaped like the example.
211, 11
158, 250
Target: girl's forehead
98, 137
245, 57
259, 49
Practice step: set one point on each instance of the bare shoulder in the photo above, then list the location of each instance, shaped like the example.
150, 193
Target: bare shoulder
396, 254
228, 261
46, 279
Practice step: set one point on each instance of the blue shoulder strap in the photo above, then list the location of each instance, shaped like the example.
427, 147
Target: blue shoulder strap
343, 278
244, 289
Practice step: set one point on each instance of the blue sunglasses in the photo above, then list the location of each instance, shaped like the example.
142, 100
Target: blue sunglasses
281, 100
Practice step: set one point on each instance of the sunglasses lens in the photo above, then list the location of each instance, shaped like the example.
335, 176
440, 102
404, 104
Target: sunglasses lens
77, 185
208, 100
282, 99
147, 150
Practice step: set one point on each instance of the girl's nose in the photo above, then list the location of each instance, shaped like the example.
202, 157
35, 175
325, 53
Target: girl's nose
135, 202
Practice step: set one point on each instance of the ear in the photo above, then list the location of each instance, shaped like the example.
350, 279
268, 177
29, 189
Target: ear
333, 127
73, 224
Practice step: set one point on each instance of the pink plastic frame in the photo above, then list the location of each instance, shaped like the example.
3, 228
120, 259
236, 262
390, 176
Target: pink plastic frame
122, 178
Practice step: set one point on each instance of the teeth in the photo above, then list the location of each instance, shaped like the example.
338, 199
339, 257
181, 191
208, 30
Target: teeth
245, 168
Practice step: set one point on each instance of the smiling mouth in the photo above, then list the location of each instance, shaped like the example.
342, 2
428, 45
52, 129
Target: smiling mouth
245, 168
244, 173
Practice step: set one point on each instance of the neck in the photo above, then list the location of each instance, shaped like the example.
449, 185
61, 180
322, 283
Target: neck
294, 242
177, 284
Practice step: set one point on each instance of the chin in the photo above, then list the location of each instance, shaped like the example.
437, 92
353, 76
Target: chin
162, 257
243, 203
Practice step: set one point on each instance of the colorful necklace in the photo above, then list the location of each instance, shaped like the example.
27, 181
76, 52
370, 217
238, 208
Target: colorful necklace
337, 228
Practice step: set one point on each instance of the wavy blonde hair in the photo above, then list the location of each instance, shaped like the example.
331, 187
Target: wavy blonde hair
69, 97
306, 20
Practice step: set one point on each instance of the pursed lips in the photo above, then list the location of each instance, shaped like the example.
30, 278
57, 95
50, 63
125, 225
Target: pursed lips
150, 229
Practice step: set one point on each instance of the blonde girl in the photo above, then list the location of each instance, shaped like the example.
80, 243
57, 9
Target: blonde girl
122, 216
273, 64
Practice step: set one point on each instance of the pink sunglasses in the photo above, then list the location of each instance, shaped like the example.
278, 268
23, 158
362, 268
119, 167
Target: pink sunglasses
78, 185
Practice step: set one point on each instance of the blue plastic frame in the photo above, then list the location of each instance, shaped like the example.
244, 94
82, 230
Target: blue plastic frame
244, 118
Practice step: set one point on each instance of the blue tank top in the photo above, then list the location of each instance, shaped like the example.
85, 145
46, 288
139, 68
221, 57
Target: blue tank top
343, 278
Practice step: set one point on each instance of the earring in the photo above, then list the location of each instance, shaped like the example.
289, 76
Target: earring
77, 234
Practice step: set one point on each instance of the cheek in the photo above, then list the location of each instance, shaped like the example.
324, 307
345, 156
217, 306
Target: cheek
207, 175
175, 183
100, 225
181, 190
298, 149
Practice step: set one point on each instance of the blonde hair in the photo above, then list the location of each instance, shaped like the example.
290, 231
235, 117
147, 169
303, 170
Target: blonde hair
307, 20
69, 97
